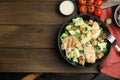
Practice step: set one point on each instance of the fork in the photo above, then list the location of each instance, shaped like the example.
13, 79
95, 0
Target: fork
112, 40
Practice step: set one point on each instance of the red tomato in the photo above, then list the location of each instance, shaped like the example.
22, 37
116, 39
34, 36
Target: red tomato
90, 1
91, 8
83, 9
80, 58
82, 2
98, 11
98, 2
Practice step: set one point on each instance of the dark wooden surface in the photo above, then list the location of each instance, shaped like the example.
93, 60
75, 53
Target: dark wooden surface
28, 37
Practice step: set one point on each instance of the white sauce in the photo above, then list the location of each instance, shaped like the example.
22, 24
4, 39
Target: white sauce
66, 7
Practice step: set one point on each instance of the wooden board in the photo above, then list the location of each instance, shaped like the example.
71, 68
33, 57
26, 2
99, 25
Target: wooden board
32, 13
28, 37
37, 60
29, 24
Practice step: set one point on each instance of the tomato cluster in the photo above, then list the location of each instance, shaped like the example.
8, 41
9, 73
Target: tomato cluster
90, 6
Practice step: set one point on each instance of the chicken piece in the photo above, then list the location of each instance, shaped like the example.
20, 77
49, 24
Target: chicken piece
95, 30
90, 54
68, 42
89, 34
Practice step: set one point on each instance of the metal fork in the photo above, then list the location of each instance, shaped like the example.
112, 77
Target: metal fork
112, 40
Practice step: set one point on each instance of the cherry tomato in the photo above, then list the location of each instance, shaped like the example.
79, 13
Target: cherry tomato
80, 58
90, 1
81, 2
98, 11
83, 8
91, 8
98, 2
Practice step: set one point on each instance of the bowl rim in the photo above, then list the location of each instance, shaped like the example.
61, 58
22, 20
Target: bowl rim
115, 15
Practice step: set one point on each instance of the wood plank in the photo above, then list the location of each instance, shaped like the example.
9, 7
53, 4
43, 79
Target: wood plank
37, 60
31, 13
105, 4
29, 36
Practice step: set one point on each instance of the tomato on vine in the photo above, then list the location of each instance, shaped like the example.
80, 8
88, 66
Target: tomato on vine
81, 2
98, 2
98, 11
90, 1
91, 8
83, 8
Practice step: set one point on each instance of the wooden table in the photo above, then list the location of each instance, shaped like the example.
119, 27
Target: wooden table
28, 37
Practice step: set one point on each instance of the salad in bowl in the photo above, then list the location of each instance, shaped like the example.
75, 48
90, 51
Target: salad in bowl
83, 41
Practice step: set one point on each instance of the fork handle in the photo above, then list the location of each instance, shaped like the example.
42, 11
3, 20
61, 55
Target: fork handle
117, 47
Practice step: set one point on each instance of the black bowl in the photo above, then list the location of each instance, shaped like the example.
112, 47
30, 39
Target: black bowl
85, 17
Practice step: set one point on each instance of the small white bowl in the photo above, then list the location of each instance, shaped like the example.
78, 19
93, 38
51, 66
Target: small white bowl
117, 12
66, 7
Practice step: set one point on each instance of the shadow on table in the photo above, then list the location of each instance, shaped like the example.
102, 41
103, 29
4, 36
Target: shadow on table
58, 76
